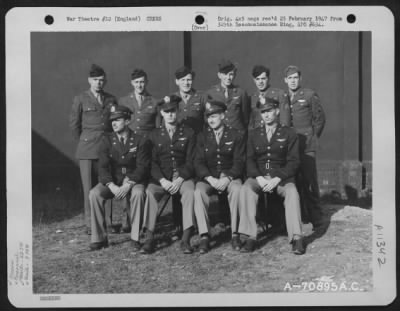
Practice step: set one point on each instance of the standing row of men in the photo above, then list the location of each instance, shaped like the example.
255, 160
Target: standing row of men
298, 107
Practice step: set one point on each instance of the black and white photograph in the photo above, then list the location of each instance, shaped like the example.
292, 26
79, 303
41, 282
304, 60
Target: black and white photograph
201, 159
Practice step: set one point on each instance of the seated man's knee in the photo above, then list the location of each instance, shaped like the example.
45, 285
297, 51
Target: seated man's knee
94, 193
137, 192
290, 189
236, 188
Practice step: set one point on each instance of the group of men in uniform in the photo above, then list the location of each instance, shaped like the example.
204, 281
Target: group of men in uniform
192, 144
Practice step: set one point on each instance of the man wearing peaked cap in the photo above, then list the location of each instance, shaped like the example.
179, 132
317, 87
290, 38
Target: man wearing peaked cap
261, 78
266, 104
308, 119
172, 172
213, 106
272, 164
219, 164
191, 105
145, 115
236, 99
120, 112
169, 103
124, 162
89, 120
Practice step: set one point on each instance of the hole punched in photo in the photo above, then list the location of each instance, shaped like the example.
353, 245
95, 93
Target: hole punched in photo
49, 20
351, 18
199, 19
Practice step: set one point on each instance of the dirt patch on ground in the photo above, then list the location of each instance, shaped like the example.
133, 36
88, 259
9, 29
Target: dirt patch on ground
340, 254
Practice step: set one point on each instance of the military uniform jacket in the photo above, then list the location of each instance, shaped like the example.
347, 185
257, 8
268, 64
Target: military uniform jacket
284, 109
172, 156
238, 106
117, 160
143, 119
228, 157
308, 118
277, 158
192, 113
88, 121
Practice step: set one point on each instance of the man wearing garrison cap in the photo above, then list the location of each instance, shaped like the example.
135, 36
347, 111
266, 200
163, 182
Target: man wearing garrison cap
261, 77
89, 120
124, 164
272, 164
172, 172
308, 119
191, 107
145, 114
236, 100
219, 164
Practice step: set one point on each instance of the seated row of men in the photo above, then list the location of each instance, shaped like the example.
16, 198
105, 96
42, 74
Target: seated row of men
174, 160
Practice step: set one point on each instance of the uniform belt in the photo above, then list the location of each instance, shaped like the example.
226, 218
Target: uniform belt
270, 166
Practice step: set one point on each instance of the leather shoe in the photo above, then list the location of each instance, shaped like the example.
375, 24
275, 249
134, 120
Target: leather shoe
204, 245
148, 246
186, 248
135, 245
98, 245
249, 246
236, 243
298, 247
187, 233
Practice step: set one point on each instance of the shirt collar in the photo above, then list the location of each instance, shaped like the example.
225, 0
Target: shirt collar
123, 134
169, 126
271, 127
219, 131
96, 94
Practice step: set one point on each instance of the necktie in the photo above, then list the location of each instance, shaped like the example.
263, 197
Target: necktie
218, 136
122, 140
226, 93
171, 132
99, 98
185, 98
140, 100
269, 133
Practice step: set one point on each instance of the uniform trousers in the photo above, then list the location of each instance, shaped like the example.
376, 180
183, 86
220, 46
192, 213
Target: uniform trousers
202, 202
89, 173
248, 201
307, 183
154, 194
135, 200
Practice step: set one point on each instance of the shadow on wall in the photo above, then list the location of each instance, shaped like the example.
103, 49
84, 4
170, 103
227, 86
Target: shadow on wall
353, 197
56, 185
346, 182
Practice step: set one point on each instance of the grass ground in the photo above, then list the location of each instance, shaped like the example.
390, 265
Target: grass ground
341, 253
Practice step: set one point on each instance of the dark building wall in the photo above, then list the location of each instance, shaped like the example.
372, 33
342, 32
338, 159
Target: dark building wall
336, 64
60, 64
329, 63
